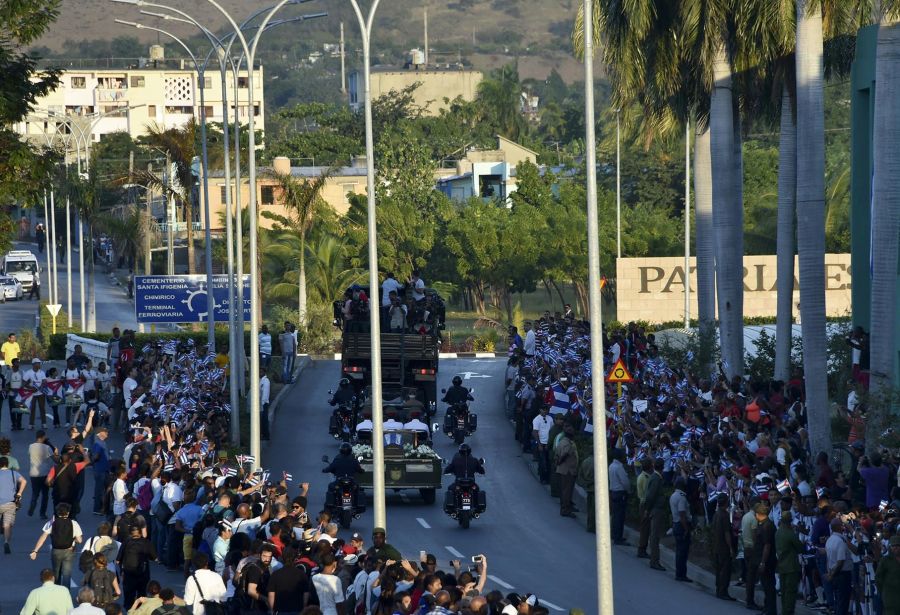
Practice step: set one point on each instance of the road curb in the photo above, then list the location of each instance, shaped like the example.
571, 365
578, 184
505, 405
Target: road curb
303, 361
702, 577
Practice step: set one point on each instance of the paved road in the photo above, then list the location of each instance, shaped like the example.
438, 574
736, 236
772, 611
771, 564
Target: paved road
114, 309
529, 546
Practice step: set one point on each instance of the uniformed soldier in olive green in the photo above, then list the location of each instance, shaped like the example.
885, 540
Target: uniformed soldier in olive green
586, 480
556, 433
788, 548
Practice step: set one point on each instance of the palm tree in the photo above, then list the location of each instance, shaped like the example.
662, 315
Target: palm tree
499, 98
129, 227
302, 198
787, 195
885, 222
84, 192
180, 144
811, 216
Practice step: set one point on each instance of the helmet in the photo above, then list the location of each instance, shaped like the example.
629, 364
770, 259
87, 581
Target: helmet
465, 449
457, 381
346, 449
344, 382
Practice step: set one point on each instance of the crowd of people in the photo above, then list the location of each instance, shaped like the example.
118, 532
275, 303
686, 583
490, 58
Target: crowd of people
240, 540
725, 459
404, 308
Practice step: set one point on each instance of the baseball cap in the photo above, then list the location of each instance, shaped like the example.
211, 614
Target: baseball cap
379, 530
356, 536
351, 559
508, 610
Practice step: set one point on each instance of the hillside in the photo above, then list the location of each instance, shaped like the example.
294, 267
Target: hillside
484, 33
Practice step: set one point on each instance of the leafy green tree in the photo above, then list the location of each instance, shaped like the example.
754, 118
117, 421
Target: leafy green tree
498, 95
23, 168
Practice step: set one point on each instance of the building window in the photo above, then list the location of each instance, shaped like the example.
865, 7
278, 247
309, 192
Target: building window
207, 83
267, 196
256, 110
79, 83
208, 111
346, 191
243, 82
223, 194
151, 110
137, 81
179, 109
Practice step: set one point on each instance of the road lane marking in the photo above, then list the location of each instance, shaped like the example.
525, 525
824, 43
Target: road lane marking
423, 523
454, 552
549, 605
500, 582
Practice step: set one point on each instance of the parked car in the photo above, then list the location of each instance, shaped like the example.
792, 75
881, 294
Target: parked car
10, 288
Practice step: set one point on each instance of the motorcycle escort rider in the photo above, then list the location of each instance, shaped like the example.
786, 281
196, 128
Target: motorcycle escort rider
343, 398
344, 395
457, 394
343, 465
463, 466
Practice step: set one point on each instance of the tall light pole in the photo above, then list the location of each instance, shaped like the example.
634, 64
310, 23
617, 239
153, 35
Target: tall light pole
598, 391
50, 247
687, 224
365, 27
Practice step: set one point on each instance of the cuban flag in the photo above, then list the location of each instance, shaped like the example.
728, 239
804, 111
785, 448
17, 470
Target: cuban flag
561, 404
183, 457
784, 487
287, 477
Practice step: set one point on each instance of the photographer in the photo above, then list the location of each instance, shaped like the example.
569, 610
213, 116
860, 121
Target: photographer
12, 485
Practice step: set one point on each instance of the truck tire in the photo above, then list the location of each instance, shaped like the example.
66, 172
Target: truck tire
464, 519
428, 495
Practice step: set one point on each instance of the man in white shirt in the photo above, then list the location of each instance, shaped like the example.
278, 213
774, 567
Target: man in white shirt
119, 491
540, 433
392, 424
619, 488
34, 378
415, 424
265, 386
529, 339
245, 525
204, 584
418, 286
129, 386
328, 587
389, 284
839, 563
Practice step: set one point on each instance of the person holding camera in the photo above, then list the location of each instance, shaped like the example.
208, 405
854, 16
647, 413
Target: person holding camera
12, 485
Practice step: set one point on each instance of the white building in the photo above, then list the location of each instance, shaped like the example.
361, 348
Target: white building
161, 92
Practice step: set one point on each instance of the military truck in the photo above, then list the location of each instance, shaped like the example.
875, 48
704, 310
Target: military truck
408, 360
408, 464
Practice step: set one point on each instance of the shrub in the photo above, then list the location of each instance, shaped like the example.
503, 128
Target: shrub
29, 346
485, 342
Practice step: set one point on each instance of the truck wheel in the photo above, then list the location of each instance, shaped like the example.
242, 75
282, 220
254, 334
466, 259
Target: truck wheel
346, 518
464, 519
429, 495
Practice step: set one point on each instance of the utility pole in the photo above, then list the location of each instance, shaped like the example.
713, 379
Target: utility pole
603, 539
343, 63
426, 36
148, 255
170, 214
687, 225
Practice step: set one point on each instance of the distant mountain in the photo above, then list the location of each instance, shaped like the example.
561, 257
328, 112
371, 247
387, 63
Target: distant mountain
484, 33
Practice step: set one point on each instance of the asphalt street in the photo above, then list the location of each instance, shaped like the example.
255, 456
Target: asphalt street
114, 309
530, 547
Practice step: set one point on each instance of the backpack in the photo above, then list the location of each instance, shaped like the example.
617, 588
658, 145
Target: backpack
145, 496
100, 582
86, 559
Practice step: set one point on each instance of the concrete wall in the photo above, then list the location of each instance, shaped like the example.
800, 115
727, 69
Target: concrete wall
652, 289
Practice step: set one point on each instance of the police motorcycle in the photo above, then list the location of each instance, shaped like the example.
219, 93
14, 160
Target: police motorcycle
459, 422
343, 498
344, 417
464, 500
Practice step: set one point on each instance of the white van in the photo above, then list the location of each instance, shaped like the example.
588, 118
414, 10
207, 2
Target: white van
22, 265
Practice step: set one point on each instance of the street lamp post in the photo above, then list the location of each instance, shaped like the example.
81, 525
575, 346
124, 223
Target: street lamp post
598, 391
618, 186
365, 28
